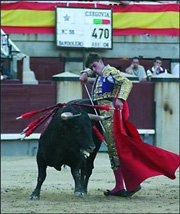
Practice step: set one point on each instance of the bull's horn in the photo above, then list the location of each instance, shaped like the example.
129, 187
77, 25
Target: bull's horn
98, 117
69, 115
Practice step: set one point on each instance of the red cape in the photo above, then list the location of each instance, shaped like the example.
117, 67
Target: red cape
140, 160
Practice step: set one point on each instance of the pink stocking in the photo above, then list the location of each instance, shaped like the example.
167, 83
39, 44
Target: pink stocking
119, 181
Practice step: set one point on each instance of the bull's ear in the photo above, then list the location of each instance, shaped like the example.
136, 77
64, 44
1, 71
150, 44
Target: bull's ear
69, 115
98, 117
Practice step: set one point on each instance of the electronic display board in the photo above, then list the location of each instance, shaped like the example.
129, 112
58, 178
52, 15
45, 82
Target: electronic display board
84, 27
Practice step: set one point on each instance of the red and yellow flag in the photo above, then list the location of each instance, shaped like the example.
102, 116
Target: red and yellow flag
135, 19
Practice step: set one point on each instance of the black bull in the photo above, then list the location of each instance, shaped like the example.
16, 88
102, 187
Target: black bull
64, 142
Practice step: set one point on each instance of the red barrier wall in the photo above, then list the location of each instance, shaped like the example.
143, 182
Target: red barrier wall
17, 99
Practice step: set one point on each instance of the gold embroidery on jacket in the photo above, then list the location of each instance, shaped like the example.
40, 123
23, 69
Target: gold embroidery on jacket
108, 135
121, 82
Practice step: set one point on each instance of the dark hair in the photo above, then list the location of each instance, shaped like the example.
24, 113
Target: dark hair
92, 57
135, 58
157, 58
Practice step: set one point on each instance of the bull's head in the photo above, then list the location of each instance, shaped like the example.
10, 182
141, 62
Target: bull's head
82, 128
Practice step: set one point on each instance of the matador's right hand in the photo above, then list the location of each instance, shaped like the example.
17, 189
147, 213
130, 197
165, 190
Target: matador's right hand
84, 77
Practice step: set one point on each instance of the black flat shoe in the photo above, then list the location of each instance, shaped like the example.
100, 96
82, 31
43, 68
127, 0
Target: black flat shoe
121, 193
130, 193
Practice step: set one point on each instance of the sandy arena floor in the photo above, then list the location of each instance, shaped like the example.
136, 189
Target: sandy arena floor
18, 179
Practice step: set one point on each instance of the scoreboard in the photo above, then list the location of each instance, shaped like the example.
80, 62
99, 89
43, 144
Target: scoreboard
83, 27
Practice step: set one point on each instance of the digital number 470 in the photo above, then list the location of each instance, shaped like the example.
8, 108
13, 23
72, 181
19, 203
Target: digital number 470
100, 32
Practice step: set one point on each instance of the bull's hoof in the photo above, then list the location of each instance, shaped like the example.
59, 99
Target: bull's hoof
79, 194
34, 197
84, 193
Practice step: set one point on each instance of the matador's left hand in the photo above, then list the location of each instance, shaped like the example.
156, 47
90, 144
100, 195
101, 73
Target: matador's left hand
119, 104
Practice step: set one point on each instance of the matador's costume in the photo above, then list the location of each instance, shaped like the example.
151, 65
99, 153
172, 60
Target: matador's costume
104, 91
138, 160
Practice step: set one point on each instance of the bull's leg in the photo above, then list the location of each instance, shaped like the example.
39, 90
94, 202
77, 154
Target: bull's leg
77, 180
41, 177
86, 180
88, 170
83, 181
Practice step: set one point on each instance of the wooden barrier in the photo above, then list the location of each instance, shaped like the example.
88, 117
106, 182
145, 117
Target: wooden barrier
17, 99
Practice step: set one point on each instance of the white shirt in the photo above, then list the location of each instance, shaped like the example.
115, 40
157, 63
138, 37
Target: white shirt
175, 70
149, 73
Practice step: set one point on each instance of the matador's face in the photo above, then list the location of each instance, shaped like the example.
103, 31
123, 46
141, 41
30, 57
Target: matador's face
97, 67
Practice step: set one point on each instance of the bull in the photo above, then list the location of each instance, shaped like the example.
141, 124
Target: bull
70, 140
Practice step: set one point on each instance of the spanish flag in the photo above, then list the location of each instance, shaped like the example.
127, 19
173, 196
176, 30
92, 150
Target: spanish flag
135, 19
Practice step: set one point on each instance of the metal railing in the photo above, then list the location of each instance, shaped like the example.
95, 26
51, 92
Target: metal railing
8, 48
